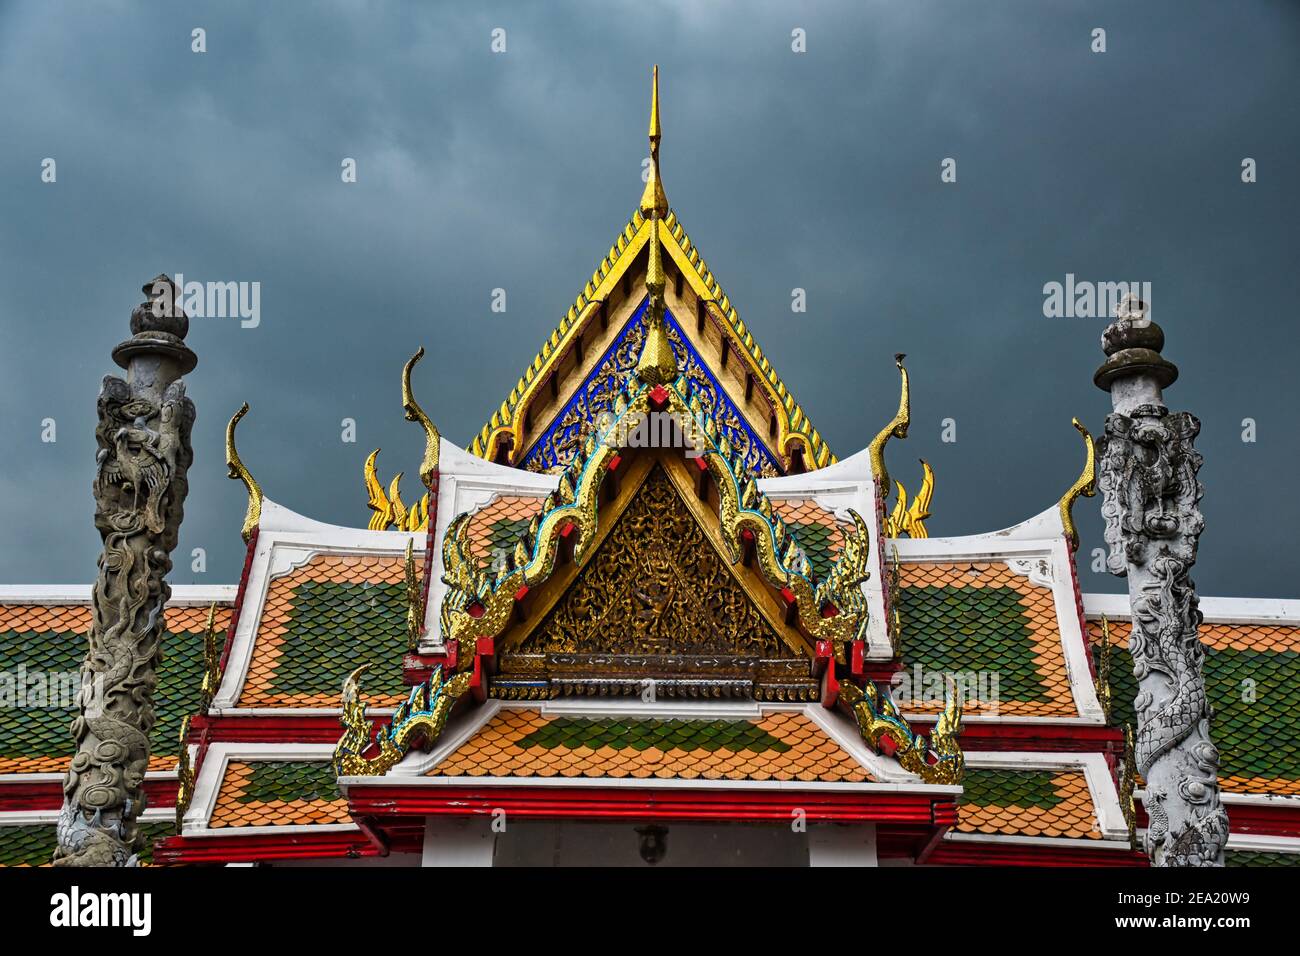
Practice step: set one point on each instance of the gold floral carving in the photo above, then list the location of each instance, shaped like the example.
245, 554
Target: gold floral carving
655, 586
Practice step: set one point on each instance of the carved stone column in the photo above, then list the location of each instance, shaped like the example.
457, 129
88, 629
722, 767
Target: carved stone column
1153, 524
139, 487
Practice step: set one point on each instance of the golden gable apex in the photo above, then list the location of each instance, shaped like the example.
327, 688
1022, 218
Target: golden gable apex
791, 435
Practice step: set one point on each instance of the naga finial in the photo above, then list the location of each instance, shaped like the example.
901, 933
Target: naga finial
1085, 484
653, 199
897, 428
414, 413
236, 470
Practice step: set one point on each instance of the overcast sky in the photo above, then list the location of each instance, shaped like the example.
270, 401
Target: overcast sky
818, 170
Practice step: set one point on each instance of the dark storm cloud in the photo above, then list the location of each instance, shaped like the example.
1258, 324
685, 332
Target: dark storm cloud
820, 171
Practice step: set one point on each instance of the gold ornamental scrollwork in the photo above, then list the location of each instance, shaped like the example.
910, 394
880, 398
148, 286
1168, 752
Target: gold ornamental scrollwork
421, 717
909, 518
939, 760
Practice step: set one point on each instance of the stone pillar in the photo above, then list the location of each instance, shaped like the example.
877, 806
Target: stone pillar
1148, 480
139, 487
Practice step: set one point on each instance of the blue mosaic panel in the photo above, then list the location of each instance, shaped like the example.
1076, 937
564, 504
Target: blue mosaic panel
561, 441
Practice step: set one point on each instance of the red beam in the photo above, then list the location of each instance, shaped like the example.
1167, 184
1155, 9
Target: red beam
387, 802
270, 729
963, 853
48, 795
252, 849
1041, 738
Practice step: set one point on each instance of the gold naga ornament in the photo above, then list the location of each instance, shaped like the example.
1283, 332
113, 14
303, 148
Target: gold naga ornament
421, 716
1103, 670
236, 471
904, 519
389, 509
1085, 485
479, 602
878, 718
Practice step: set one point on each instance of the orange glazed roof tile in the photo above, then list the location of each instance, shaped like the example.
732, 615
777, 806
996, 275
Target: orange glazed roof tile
322, 620
1043, 803
982, 616
785, 745
278, 793
499, 523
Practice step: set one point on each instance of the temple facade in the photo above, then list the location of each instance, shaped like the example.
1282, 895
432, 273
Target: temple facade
645, 616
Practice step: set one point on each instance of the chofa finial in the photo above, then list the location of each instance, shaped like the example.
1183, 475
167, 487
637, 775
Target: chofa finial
237, 470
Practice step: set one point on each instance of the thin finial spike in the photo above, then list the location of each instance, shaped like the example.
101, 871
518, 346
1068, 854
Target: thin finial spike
653, 199
655, 131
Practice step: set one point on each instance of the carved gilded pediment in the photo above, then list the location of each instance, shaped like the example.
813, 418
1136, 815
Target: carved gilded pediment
657, 602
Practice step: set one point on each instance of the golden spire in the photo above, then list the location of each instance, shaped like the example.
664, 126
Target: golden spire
657, 365
653, 199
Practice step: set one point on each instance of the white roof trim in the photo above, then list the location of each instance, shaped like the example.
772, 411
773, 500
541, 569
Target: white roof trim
213, 771
1217, 610
1265, 843
1101, 785
27, 818
282, 547
183, 595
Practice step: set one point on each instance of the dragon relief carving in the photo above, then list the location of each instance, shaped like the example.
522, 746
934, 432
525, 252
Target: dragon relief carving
139, 488
1153, 524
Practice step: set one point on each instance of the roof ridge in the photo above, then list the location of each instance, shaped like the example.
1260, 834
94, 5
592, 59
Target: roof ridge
620, 255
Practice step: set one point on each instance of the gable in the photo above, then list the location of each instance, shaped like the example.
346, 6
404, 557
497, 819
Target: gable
657, 599
704, 316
